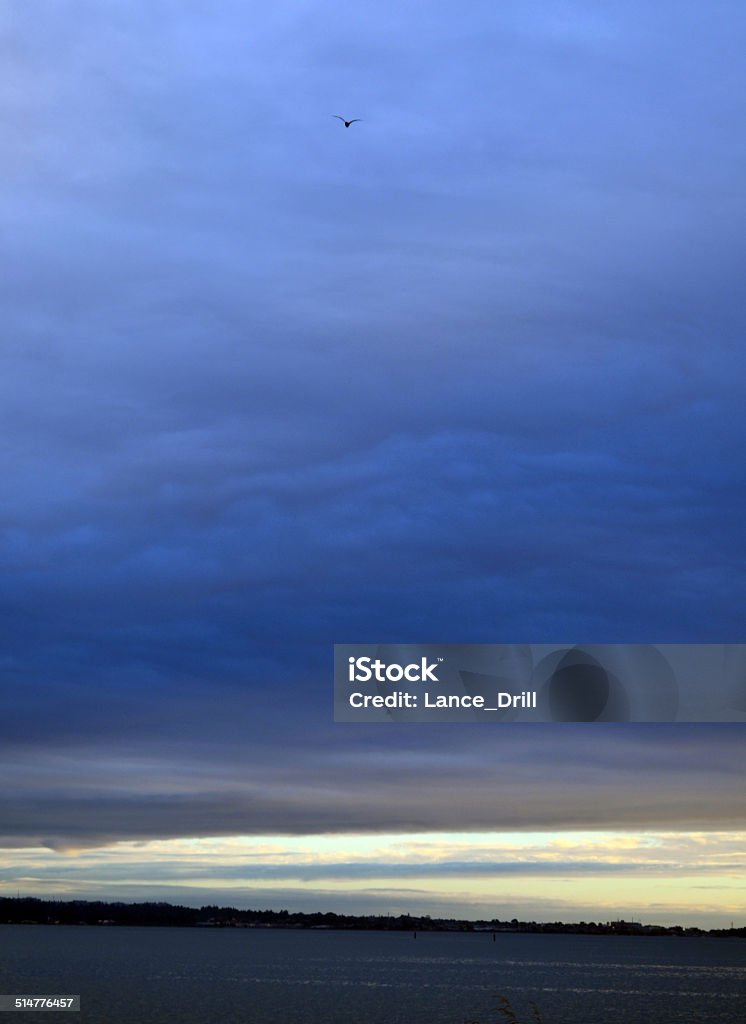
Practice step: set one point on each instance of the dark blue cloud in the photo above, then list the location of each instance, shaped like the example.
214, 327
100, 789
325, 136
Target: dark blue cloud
471, 370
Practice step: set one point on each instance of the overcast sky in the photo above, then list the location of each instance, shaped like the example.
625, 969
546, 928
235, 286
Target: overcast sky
471, 370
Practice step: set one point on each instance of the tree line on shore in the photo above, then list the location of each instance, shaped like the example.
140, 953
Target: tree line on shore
31, 910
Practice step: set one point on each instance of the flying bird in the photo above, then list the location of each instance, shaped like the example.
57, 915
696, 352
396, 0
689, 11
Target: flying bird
347, 123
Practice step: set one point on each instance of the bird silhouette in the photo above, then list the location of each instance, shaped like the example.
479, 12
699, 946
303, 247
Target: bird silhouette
347, 123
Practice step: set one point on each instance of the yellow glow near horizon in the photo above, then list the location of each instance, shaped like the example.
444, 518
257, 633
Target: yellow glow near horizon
541, 875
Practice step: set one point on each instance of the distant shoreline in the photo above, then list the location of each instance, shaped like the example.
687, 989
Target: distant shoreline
31, 910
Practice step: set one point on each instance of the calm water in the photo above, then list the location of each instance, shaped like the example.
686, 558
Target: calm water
143, 975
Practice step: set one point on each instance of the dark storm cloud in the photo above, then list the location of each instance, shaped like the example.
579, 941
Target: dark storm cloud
471, 372
448, 779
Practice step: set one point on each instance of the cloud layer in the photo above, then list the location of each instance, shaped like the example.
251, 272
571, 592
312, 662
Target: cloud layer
470, 371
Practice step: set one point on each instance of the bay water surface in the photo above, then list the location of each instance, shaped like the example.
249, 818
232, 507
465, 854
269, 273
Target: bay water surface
268, 976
